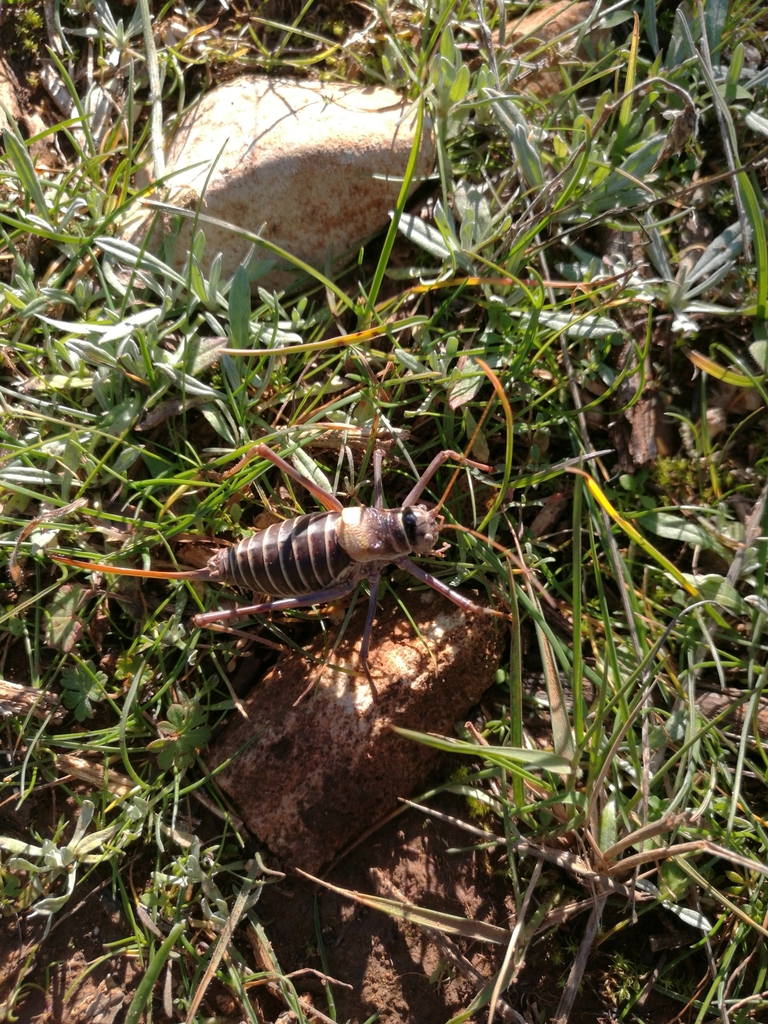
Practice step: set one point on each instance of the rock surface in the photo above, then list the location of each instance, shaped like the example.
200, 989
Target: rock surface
555, 25
320, 774
314, 167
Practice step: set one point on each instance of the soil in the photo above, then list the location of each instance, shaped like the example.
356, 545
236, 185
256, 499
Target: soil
86, 969
66, 975
406, 977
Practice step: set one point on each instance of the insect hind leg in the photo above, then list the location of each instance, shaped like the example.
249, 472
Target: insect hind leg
281, 604
215, 619
329, 501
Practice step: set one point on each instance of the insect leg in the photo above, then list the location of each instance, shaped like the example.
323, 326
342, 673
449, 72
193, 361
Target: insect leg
433, 467
378, 490
281, 604
446, 591
373, 583
327, 500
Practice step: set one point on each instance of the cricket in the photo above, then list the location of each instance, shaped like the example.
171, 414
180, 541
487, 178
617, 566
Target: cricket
321, 557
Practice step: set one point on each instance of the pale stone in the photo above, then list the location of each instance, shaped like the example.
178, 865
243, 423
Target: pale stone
314, 167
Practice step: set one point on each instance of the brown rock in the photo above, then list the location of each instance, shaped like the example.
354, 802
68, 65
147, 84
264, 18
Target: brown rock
319, 774
9, 94
314, 167
553, 22
548, 22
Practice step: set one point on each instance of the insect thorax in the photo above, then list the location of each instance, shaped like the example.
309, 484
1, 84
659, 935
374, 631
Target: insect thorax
383, 535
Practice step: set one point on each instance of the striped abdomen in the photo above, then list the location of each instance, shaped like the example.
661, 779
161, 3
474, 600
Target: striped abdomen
297, 556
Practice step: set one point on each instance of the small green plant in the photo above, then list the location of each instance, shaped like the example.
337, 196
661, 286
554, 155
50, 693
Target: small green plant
181, 734
621, 981
83, 686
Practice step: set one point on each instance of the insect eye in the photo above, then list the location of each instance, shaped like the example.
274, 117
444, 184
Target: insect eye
410, 525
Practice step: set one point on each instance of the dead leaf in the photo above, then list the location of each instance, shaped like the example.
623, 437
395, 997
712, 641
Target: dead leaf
680, 132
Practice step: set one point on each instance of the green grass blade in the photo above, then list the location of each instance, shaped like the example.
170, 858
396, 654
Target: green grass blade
157, 963
19, 155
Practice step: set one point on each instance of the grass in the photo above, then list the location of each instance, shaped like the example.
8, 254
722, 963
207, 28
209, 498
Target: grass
121, 417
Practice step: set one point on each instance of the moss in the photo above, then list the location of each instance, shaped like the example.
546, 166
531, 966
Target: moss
677, 477
23, 32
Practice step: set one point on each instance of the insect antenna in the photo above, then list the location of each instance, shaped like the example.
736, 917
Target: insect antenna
465, 458
499, 390
506, 553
